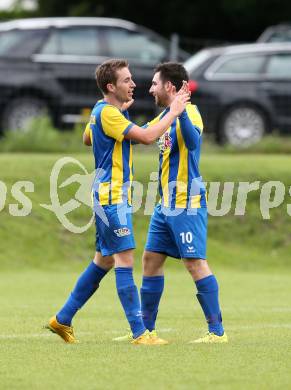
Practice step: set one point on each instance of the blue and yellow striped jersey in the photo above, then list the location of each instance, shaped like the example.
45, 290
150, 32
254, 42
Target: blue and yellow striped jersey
180, 183
112, 153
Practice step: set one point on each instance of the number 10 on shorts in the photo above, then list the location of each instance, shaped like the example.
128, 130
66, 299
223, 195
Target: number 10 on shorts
186, 237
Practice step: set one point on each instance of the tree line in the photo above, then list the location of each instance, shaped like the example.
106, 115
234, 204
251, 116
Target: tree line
226, 20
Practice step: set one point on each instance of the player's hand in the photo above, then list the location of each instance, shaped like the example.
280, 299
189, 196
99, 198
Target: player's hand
127, 105
184, 88
178, 105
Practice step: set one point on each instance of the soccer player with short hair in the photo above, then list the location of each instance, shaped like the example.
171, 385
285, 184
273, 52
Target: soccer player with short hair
110, 132
178, 226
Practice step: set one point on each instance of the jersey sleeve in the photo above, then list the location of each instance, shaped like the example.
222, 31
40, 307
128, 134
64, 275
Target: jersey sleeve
88, 128
191, 126
114, 124
194, 116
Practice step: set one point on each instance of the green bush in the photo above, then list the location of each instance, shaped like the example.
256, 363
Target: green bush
42, 137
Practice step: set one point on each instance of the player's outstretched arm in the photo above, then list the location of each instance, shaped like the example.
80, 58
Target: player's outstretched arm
150, 134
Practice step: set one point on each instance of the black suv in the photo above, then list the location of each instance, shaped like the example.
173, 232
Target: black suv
243, 91
48, 64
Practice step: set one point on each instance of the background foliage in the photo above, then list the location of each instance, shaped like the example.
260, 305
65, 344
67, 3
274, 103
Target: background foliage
238, 20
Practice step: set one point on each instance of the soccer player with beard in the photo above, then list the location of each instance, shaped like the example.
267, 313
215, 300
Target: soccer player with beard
110, 132
178, 227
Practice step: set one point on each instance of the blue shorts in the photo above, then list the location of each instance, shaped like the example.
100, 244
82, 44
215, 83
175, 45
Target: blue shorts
114, 232
182, 236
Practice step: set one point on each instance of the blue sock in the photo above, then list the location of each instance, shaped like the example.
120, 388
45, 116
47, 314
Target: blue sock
151, 292
129, 299
85, 287
208, 298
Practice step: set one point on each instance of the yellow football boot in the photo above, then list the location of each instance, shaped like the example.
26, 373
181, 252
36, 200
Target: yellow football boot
210, 338
143, 339
152, 335
147, 339
157, 340
127, 337
64, 331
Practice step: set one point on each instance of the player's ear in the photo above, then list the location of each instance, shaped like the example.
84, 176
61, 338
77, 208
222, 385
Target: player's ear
110, 87
174, 90
170, 88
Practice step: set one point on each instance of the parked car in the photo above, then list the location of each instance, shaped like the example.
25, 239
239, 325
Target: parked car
244, 91
278, 33
48, 65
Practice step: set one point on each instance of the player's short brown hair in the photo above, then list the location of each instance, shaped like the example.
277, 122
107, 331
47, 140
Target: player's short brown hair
106, 73
173, 72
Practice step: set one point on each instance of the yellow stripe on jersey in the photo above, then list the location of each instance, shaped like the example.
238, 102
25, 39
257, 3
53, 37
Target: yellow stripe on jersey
130, 175
182, 176
195, 202
113, 122
155, 120
194, 116
165, 174
104, 189
117, 174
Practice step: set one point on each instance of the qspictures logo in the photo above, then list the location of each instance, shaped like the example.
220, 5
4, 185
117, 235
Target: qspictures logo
82, 195
224, 198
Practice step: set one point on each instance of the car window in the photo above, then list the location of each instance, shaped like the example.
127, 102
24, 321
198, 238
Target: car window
80, 41
196, 60
134, 46
279, 66
20, 43
280, 36
243, 65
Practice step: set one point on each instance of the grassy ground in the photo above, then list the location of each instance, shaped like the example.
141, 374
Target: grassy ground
257, 317
40, 261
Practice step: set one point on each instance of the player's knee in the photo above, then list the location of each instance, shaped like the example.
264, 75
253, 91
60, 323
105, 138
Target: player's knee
197, 267
124, 259
152, 264
147, 263
106, 262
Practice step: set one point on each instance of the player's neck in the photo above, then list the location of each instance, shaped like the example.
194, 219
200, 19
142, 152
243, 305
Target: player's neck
171, 97
110, 99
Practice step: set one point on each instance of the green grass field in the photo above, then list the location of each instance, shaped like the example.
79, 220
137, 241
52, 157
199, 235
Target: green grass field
40, 261
257, 316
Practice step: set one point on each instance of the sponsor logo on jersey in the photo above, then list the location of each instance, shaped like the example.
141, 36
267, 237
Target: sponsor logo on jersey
165, 142
191, 249
122, 232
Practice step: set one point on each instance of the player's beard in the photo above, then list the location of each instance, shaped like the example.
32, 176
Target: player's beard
161, 99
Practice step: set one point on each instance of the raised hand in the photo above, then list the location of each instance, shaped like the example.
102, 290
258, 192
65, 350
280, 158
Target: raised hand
125, 106
184, 88
178, 105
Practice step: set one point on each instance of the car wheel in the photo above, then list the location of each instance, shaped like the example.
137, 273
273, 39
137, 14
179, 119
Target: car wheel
19, 113
243, 126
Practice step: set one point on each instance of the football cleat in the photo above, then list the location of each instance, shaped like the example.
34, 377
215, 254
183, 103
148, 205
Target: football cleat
126, 337
211, 338
64, 331
152, 335
157, 340
146, 339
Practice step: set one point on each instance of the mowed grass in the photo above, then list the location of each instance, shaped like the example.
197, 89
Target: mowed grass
40, 261
257, 317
